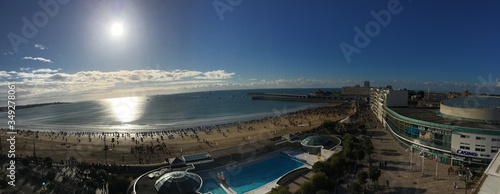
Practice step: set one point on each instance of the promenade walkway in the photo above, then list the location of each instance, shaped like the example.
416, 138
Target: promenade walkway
401, 179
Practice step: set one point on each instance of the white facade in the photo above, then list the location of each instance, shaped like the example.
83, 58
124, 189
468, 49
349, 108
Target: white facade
474, 145
380, 97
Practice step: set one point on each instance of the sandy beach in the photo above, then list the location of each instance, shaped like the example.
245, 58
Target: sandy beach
155, 147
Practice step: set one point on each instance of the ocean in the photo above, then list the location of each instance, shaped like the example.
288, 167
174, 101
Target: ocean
158, 112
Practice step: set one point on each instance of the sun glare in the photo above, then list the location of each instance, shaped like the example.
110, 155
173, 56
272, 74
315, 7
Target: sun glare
116, 29
125, 109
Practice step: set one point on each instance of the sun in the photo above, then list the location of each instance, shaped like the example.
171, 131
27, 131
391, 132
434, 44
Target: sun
117, 29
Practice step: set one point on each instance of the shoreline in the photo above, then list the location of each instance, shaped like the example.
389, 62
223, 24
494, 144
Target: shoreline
150, 147
177, 125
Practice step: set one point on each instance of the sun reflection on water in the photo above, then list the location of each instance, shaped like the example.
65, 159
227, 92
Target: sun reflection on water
126, 109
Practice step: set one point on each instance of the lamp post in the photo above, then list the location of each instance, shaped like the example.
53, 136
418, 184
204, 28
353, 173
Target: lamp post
34, 150
467, 172
105, 151
411, 157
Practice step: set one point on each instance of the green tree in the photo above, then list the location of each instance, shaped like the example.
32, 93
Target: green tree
339, 166
348, 146
102, 174
25, 161
330, 126
359, 154
322, 192
374, 174
3, 183
361, 177
48, 161
280, 190
51, 175
322, 182
118, 185
355, 188
363, 128
307, 188
321, 166
368, 146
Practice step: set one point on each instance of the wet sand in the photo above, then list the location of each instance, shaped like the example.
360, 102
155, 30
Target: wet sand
155, 147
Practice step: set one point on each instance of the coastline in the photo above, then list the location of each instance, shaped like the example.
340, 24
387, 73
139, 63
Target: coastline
172, 126
155, 146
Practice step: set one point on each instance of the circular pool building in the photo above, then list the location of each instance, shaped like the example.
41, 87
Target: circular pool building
313, 144
178, 182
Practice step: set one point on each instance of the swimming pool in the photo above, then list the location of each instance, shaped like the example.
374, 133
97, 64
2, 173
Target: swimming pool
248, 177
211, 185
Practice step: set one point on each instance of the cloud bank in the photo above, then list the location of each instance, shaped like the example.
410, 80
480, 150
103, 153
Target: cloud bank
47, 83
50, 85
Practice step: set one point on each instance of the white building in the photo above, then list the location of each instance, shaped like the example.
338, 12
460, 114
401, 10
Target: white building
386, 97
459, 133
489, 183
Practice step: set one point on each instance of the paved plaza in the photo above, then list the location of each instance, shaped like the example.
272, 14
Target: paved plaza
401, 179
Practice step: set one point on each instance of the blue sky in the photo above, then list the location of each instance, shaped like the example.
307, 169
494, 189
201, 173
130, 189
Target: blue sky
178, 46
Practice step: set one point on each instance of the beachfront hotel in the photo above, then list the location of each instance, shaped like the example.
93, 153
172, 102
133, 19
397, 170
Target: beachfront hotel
462, 131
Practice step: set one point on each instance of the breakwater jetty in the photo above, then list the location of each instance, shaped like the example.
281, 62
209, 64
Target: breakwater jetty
298, 97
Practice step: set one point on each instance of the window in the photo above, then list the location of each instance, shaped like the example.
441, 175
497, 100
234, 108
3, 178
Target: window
480, 149
465, 147
485, 155
481, 146
494, 151
464, 136
496, 147
480, 138
462, 143
495, 139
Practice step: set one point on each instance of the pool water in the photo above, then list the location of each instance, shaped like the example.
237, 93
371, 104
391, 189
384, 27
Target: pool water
211, 185
246, 178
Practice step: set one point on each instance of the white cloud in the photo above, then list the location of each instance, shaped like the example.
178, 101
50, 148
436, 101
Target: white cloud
218, 74
40, 46
43, 83
8, 53
4, 74
38, 59
46, 70
48, 84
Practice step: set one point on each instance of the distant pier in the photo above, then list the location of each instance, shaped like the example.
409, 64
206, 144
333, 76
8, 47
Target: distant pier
5, 109
298, 97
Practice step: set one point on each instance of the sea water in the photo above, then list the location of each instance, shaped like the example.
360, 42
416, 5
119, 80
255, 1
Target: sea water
157, 112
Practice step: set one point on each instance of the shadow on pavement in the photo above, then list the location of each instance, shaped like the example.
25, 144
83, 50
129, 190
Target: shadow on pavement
390, 153
376, 133
407, 190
